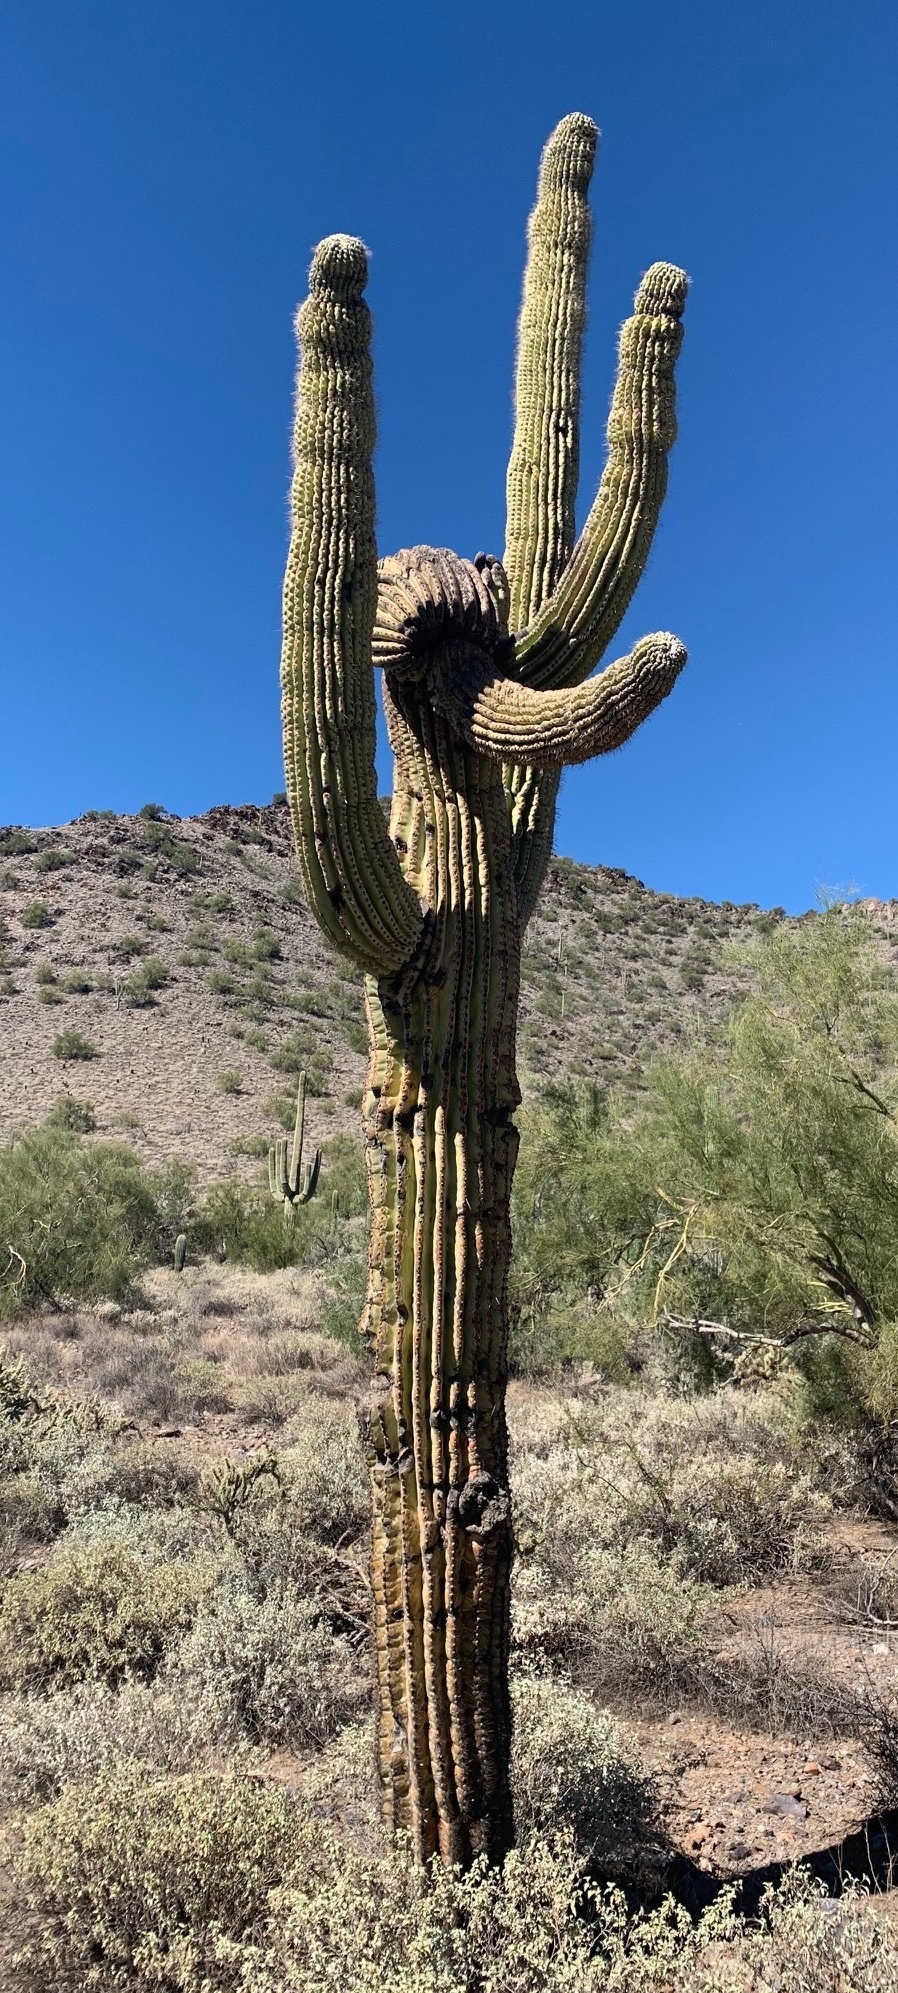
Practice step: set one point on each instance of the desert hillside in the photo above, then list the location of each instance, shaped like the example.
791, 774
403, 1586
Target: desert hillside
167, 971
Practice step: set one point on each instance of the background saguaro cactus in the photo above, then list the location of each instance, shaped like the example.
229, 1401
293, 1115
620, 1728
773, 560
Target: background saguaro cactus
488, 695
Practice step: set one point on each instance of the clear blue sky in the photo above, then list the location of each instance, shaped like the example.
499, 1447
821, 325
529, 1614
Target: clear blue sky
167, 171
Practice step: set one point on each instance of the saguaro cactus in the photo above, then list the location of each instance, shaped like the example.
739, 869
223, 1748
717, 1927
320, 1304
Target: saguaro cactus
487, 691
298, 1183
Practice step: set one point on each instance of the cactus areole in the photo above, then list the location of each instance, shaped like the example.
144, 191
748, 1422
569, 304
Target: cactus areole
486, 680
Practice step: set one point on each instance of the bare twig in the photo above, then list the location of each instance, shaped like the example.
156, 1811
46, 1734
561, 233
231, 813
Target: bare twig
700, 1326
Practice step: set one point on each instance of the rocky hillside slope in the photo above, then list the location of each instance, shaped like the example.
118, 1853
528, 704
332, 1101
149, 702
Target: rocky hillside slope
166, 971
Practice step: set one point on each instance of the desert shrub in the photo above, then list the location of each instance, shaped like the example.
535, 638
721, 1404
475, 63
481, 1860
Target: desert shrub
230, 1081
266, 946
202, 1882
539, 1924
37, 914
201, 1384
268, 1669
28, 1513
568, 1771
127, 946
156, 836
290, 1528
139, 989
303, 1052
139, 1868
98, 1612
341, 1301
48, 1742
625, 1623
72, 1044
323, 1472
716, 1481
81, 1220
76, 1115
248, 1225
53, 859
15, 842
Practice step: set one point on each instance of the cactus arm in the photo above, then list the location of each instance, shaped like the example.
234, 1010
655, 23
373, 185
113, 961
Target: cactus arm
352, 873
573, 627
299, 1127
541, 487
566, 601
514, 724
576, 623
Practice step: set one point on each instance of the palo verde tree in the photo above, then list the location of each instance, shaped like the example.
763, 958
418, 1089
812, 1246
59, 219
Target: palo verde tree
488, 696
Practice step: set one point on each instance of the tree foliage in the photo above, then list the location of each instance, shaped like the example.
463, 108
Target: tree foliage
752, 1185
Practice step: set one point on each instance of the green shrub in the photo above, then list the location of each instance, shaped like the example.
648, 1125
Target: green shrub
53, 860
76, 1115
37, 914
230, 1081
248, 1226
156, 836
15, 843
96, 1613
140, 1869
139, 990
127, 946
72, 1044
81, 1219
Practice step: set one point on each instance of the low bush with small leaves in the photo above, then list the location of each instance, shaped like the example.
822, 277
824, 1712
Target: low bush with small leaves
72, 1044
94, 1613
145, 1871
569, 1772
269, 1669
37, 914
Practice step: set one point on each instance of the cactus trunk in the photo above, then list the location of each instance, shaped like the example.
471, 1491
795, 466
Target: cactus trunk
441, 1147
481, 721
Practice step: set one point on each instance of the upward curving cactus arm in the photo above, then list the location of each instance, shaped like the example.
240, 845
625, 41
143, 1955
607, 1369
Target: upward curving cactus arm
351, 870
576, 623
543, 470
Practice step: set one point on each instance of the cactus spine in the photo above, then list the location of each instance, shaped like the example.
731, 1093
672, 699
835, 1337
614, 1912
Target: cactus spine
488, 695
298, 1183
